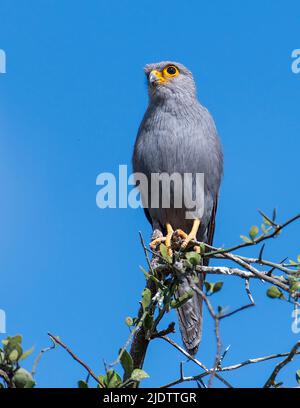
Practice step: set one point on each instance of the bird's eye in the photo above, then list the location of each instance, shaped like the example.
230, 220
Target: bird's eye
171, 71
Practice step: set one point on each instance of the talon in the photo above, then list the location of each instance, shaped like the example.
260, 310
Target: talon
170, 232
192, 235
181, 234
167, 239
153, 244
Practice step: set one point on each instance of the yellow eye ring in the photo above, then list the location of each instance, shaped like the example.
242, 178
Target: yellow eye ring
171, 71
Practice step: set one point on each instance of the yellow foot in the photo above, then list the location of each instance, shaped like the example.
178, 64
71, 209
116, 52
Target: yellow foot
167, 239
192, 235
157, 241
181, 234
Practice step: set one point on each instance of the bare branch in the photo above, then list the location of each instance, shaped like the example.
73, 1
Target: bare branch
68, 350
271, 380
196, 361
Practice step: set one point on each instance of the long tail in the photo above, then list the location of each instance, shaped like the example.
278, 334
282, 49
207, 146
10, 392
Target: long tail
190, 317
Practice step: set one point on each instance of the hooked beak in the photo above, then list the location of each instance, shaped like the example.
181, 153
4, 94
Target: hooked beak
156, 78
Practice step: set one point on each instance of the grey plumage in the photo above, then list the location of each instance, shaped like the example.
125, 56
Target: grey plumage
178, 134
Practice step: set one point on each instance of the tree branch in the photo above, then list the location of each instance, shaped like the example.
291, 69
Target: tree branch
271, 380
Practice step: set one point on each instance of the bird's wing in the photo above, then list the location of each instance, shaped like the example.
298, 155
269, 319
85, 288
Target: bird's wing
211, 229
148, 216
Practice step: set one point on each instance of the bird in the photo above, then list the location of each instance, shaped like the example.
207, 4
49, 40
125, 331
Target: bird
178, 135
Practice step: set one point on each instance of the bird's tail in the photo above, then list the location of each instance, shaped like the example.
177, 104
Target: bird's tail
190, 316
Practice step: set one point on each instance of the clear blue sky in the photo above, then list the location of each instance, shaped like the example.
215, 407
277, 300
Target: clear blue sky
70, 106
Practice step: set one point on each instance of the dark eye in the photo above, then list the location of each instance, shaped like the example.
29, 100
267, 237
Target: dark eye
171, 70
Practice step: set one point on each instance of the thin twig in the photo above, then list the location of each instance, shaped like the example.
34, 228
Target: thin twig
271, 380
251, 304
192, 358
69, 351
256, 241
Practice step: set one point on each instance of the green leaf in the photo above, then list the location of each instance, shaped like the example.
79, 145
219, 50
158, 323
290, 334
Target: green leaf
23, 379
274, 293
12, 341
146, 298
127, 363
294, 286
253, 232
298, 258
15, 339
82, 384
2, 356
30, 384
298, 376
217, 287
112, 379
212, 287
264, 229
202, 248
182, 299
163, 250
138, 375
208, 286
101, 379
13, 356
12, 348
193, 257
26, 353
164, 253
129, 321
246, 239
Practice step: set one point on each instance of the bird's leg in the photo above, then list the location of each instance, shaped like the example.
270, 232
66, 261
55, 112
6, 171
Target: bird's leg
166, 239
192, 235
156, 241
181, 234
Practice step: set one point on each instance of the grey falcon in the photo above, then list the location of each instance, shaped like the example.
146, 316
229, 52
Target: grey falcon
178, 135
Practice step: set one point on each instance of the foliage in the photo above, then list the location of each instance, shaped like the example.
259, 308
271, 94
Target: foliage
11, 355
158, 298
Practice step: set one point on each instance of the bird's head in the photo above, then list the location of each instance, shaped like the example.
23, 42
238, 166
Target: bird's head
166, 79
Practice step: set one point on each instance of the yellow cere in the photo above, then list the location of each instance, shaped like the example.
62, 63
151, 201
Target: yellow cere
159, 76
170, 71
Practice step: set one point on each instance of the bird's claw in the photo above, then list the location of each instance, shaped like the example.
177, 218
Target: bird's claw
153, 244
187, 240
167, 240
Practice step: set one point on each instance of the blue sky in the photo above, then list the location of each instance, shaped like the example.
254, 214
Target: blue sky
70, 106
